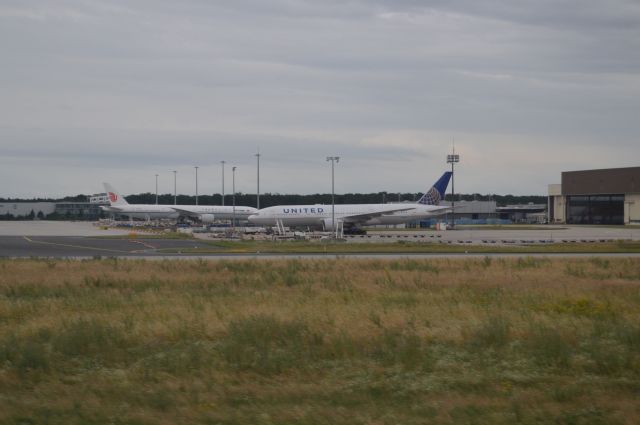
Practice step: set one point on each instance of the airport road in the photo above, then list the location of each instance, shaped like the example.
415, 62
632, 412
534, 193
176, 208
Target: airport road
55, 228
57, 239
531, 234
78, 246
84, 247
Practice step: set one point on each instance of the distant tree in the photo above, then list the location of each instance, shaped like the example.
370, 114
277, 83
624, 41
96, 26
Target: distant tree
77, 198
271, 199
32, 215
54, 216
40, 215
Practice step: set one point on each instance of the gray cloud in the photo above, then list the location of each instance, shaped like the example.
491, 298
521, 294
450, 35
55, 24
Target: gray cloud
110, 90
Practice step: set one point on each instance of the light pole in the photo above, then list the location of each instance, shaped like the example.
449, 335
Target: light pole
233, 187
196, 167
258, 191
453, 159
175, 187
223, 162
156, 189
333, 160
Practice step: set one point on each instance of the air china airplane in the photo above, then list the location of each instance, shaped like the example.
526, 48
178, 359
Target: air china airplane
203, 213
355, 215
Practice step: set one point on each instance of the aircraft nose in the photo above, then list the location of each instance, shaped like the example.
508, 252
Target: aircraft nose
252, 217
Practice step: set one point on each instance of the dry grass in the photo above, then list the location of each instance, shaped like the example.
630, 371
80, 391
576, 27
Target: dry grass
320, 341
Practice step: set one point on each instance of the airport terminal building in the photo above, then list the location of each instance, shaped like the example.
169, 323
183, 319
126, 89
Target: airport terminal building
607, 196
54, 210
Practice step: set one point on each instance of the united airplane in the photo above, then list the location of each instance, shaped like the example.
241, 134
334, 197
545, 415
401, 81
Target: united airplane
202, 213
355, 215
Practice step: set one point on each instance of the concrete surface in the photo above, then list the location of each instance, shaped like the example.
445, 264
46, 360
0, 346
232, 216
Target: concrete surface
80, 246
541, 234
54, 228
74, 239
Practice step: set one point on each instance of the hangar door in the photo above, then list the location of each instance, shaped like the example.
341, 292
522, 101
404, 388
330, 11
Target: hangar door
595, 209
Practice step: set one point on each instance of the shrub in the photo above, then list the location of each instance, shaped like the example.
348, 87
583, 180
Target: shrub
548, 347
267, 345
29, 352
530, 262
404, 348
495, 332
88, 338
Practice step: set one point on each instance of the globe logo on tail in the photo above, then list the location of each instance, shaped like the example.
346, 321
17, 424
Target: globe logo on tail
432, 197
436, 194
113, 197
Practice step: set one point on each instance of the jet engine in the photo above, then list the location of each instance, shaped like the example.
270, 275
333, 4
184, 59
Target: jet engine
328, 225
206, 218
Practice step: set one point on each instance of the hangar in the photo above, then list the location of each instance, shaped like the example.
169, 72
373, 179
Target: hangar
606, 196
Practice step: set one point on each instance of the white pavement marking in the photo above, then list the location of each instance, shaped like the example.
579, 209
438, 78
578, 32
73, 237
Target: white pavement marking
93, 248
55, 228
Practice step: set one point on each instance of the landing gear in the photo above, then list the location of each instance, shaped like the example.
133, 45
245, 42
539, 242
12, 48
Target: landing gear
353, 230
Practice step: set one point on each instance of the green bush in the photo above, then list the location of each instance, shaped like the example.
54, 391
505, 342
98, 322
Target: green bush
404, 348
495, 332
26, 353
88, 338
267, 345
549, 347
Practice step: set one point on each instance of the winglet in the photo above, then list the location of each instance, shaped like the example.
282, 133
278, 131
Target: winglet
115, 198
436, 194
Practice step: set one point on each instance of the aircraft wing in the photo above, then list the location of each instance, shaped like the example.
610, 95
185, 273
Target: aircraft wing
186, 213
440, 210
356, 218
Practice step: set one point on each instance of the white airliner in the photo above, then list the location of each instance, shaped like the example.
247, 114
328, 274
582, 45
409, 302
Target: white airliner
355, 215
203, 213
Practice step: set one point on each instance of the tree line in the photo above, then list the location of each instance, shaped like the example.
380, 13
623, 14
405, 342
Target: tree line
271, 199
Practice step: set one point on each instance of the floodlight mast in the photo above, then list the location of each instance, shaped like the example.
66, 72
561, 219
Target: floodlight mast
196, 167
223, 162
156, 189
258, 189
233, 177
333, 160
175, 187
453, 159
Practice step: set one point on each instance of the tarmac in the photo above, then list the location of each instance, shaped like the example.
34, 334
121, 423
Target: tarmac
537, 234
55, 228
56, 239
83, 247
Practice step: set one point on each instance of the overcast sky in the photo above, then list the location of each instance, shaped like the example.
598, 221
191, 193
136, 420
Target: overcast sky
119, 91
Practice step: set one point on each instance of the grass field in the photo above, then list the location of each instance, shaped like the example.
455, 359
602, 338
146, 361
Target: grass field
320, 342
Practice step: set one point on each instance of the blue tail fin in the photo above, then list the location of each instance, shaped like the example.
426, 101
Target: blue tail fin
436, 193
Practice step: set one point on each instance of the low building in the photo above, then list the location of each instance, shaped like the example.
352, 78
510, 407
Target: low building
50, 210
468, 212
605, 196
523, 213
78, 210
15, 210
99, 198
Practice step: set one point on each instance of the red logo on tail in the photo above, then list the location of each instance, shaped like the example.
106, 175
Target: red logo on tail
113, 197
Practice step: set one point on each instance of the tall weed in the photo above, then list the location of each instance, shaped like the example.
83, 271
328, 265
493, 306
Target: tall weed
548, 346
266, 344
494, 332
